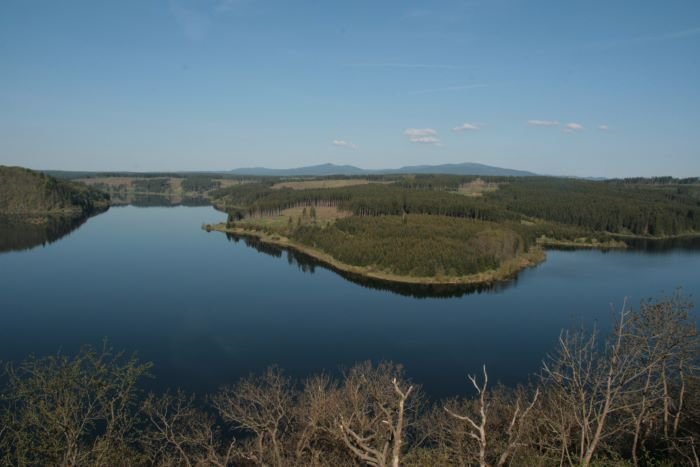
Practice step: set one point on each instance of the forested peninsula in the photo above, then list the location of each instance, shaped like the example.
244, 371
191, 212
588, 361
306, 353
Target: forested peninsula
447, 229
398, 228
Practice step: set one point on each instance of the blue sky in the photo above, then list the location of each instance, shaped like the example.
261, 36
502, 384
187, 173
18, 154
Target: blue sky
595, 88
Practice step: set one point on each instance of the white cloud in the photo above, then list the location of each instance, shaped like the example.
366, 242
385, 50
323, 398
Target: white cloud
466, 127
426, 140
542, 122
422, 136
420, 132
571, 127
341, 143
603, 127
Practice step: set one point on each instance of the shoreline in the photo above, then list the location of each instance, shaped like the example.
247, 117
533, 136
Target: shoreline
546, 242
656, 238
506, 272
616, 243
41, 217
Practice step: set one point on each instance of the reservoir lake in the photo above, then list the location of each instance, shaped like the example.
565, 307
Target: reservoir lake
207, 309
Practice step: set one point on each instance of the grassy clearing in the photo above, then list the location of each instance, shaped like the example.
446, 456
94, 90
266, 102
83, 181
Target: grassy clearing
477, 188
227, 182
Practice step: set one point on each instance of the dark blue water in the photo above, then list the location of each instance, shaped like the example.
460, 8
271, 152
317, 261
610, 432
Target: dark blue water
207, 310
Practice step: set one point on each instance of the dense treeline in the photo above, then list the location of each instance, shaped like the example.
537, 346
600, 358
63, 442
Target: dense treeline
437, 182
157, 200
420, 227
362, 200
590, 206
607, 207
642, 206
632, 398
658, 180
152, 185
25, 191
199, 184
409, 245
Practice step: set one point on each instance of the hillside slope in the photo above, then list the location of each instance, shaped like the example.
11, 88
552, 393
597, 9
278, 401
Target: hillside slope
24, 191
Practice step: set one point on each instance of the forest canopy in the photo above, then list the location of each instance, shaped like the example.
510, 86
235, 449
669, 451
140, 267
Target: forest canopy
454, 226
614, 207
24, 191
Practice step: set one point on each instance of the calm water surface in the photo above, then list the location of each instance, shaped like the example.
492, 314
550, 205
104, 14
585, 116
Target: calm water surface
207, 310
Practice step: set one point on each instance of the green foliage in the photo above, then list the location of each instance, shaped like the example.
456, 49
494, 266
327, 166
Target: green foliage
361, 200
604, 206
419, 245
152, 185
436, 182
200, 184
25, 191
418, 227
590, 206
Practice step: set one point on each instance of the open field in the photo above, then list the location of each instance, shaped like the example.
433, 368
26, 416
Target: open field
227, 182
477, 188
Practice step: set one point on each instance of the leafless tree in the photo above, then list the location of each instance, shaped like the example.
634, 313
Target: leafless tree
479, 429
316, 440
262, 407
179, 433
611, 391
373, 418
634, 395
666, 341
72, 411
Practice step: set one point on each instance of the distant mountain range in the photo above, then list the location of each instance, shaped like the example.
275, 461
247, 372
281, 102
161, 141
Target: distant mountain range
467, 168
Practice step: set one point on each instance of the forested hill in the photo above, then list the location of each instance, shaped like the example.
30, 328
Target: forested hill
24, 191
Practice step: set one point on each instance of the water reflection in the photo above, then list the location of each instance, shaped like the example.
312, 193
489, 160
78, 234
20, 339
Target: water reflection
665, 245
645, 245
19, 233
154, 200
24, 232
308, 264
